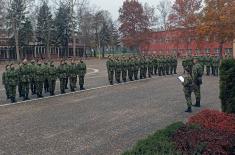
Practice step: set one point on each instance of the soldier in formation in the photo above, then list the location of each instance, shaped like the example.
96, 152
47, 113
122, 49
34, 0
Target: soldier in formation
39, 75
209, 63
139, 67
192, 83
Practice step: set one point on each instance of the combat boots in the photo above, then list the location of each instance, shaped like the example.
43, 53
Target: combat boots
197, 103
81, 87
13, 99
26, 97
189, 110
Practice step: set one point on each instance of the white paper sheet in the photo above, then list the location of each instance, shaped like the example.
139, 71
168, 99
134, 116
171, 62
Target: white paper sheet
181, 78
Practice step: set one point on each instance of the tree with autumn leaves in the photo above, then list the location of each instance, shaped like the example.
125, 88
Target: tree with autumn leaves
217, 21
135, 23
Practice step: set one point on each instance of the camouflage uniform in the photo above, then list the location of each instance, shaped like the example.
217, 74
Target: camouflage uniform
184, 64
208, 62
81, 73
24, 78
167, 65
110, 68
32, 67
135, 67
5, 81
67, 76
197, 72
39, 79
160, 67
46, 75
150, 67
62, 74
52, 78
124, 69
19, 81
73, 72
155, 62
174, 64
12, 78
118, 70
215, 64
188, 91
142, 68
131, 66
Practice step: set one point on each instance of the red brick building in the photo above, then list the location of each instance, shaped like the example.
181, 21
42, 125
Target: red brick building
177, 42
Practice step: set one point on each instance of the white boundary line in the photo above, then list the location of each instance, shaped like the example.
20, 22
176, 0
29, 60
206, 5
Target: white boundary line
79, 91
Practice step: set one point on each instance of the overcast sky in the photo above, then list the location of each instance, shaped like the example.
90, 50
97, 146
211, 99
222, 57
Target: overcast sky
113, 5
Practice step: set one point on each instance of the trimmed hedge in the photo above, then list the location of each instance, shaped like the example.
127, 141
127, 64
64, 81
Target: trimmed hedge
158, 143
204, 141
227, 85
212, 119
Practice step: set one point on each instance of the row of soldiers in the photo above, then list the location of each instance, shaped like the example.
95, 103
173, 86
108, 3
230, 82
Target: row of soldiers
36, 75
139, 67
211, 63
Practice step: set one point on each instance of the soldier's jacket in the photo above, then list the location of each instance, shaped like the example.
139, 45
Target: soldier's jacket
215, 62
164, 62
174, 61
155, 62
39, 74
150, 63
4, 79
62, 71
160, 62
118, 66
12, 77
24, 73
46, 70
208, 61
32, 68
124, 65
52, 73
135, 65
197, 72
143, 64
110, 65
82, 69
184, 63
73, 71
131, 65
188, 84
67, 69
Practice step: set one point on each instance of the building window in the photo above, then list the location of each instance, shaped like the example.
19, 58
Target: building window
197, 51
229, 51
217, 51
207, 51
189, 51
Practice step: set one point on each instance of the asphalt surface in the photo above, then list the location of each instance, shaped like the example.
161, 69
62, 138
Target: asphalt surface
102, 120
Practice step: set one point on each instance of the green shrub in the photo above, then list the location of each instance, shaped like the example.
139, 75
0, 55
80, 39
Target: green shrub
227, 85
157, 144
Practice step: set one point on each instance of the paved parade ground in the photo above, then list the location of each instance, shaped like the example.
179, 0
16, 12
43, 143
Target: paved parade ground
102, 120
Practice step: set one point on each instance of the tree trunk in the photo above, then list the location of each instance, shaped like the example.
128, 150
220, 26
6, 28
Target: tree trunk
74, 43
17, 44
233, 49
103, 52
48, 51
221, 50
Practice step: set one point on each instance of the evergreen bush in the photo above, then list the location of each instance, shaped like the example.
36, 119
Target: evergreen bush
227, 85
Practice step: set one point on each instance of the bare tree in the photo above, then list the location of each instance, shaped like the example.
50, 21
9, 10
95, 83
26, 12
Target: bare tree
17, 11
2, 13
150, 13
163, 11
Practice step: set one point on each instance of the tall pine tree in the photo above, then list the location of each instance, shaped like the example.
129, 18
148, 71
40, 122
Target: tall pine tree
62, 25
15, 18
44, 27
